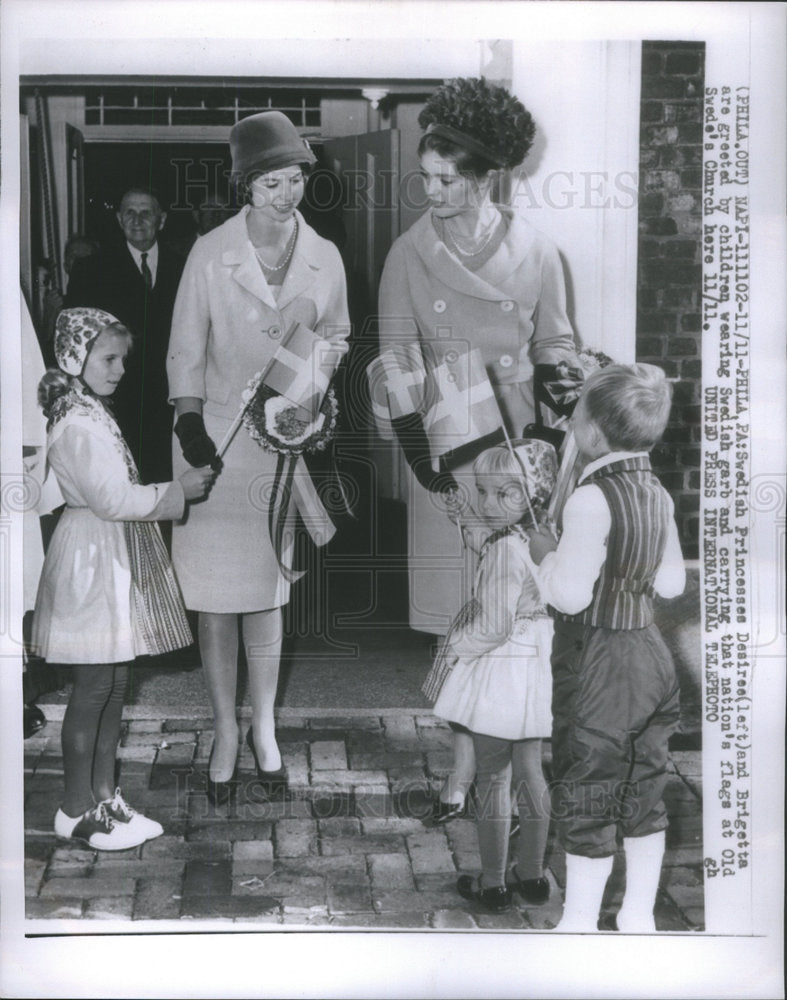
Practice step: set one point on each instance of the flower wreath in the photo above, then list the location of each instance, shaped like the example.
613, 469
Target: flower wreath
277, 424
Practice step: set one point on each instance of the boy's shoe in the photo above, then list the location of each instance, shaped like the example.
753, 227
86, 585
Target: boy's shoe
533, 890
121, 812
496, 900
98, 830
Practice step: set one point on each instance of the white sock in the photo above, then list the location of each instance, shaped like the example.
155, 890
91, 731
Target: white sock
643, 870
65, 824
586, 879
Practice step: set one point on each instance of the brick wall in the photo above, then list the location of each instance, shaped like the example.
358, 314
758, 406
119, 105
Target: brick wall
669, 272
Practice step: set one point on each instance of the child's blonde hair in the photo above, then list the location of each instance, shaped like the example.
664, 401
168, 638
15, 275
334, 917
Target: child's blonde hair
534, 466
56, 383
497, 461
630, 404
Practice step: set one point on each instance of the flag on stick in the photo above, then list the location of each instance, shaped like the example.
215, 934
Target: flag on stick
378, 399
396, 385
302, 368
519, 462
568, 474
461, 405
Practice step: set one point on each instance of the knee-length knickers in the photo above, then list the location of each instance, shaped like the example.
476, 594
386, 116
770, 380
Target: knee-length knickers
615, 704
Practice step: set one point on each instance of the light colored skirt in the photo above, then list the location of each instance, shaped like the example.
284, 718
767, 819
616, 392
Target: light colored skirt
506, 692
222, 552
100, 602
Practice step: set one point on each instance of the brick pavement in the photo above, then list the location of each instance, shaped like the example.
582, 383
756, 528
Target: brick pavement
349, 849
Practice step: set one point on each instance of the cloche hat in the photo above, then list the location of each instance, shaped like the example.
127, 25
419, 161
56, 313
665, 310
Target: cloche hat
75, 331
267, 141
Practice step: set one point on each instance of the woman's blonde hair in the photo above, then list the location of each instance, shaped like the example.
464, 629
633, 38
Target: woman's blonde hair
630, 404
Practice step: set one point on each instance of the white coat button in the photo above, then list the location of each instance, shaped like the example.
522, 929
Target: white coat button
274, 332
507, 306
439, 306
506, 361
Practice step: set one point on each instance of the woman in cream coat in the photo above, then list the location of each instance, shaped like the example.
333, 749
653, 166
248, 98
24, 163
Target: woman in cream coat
244, 286
469, 274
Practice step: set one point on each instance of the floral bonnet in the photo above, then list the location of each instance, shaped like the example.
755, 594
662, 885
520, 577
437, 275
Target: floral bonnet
539, 465
75, 331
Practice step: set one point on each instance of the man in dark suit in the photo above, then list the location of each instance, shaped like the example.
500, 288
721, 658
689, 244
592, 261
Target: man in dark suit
137, 281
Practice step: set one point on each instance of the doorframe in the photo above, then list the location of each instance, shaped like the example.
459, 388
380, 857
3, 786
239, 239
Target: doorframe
69, 113
25, 198
160, 133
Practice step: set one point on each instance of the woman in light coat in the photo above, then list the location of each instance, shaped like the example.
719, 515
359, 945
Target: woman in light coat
244, 286
468, 274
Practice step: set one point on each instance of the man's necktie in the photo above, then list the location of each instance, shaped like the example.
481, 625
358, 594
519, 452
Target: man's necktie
147, 276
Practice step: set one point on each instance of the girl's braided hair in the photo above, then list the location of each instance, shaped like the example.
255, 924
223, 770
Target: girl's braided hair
486, 112
54, 385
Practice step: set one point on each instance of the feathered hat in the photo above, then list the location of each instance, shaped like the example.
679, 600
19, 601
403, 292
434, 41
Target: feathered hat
482, 118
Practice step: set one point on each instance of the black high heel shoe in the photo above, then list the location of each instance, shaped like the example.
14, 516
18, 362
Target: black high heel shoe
274, 784
444, 812
220, 792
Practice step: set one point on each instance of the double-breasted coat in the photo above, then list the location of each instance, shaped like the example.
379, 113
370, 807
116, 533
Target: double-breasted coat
513, 309
226, 327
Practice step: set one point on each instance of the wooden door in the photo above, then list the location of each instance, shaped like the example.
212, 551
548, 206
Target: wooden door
75, 151
369, 168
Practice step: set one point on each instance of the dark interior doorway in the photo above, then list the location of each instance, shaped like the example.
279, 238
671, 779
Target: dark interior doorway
184, 175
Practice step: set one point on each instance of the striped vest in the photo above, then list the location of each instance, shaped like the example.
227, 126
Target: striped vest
640, 509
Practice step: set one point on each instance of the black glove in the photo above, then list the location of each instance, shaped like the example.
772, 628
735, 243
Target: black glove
561, 396
198, 449
415, 445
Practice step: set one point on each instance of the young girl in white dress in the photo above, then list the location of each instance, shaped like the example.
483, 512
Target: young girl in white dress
499, 685
107, 593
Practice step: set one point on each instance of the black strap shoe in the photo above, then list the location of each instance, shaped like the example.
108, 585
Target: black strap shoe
444, 812
497, 900
533, 890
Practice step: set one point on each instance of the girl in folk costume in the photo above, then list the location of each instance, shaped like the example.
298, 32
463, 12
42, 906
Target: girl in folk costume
107, 593
499, 684
469, 274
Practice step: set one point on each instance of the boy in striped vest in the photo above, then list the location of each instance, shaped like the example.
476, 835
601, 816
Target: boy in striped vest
615, 691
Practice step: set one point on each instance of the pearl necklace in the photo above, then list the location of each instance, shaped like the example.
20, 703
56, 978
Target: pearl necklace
485, 240
284, 259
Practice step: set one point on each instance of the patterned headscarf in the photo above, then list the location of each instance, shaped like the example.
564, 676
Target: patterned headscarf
539, 464
75, 331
